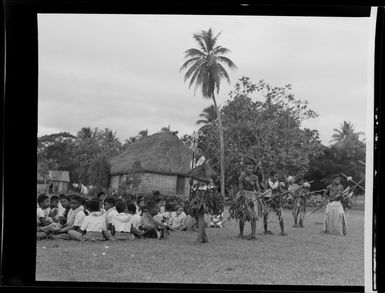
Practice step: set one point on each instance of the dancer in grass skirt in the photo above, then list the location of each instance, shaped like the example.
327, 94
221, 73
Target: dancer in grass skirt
246, 207
273, 202
299, 195
335, 219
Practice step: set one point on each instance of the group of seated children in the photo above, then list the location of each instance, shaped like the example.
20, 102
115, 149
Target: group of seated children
72, 217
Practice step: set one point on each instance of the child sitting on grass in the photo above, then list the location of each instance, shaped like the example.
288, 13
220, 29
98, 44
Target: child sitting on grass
110, 211
93, 227
135, 220
121, 223
177, 220
74, 219
65, 203
54, 208
216, 221
45, 225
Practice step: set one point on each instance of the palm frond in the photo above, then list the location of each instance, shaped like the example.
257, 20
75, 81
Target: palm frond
192, 69
193, 53
195, 77
185, 65
200, 41
220, 50
228, 62
202, 121
224, 73
214, 40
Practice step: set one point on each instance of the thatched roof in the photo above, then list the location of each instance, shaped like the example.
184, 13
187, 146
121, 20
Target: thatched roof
162, 153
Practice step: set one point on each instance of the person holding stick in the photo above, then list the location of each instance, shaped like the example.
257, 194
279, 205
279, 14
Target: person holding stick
246, 206
273, 202
335, 219
299, 193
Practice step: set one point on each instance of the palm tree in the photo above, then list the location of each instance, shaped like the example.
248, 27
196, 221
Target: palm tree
204, 67
345, 134
209, 116
85, 132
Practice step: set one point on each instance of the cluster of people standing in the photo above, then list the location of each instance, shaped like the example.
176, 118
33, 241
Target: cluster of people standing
262, 199
108, 218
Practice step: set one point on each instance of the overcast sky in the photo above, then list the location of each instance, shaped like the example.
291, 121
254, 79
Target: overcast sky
122, 71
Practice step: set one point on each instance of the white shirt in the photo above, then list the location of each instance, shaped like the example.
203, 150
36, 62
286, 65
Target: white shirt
122, 222
40, 214
177, 221
61, 210
94, 222
135, 221
75, 217
110, 214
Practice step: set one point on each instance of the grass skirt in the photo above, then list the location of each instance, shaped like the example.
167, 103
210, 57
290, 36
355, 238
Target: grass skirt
246, 206
335, 219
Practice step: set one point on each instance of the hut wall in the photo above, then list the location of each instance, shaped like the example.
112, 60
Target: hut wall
165, 184
114, 184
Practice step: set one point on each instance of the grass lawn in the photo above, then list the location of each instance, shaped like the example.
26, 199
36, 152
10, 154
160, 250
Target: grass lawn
304, 257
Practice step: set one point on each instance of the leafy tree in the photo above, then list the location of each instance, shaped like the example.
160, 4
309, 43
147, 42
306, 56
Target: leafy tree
99, 172
204, 67
267, 132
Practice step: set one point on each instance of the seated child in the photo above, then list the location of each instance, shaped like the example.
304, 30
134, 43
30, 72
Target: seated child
54, 208
65, 203
121, 223
134, 220
150, 227
110, 211
177, 220
45, 225
157, 215
93, 227
216, 221
168, 213
75, 218
60, 206
189, 224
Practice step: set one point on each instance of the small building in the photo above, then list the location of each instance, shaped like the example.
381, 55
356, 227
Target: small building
53, 182
165, 161
59, 180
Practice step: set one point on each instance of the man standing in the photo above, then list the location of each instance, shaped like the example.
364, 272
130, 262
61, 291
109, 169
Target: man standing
273, 202
248, 189
335, 219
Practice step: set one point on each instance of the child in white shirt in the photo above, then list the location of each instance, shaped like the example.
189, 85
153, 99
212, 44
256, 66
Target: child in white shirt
110, 211
177, 221
121, 223
75, 218
45, 225
93, 227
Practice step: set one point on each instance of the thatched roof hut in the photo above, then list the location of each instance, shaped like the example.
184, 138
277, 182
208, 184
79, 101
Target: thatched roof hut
162, 153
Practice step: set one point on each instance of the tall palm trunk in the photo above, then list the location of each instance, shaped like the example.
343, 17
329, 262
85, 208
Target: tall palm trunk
222, 147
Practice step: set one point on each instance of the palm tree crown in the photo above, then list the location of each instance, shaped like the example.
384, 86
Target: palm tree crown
346, 133
205, 65
208, 114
